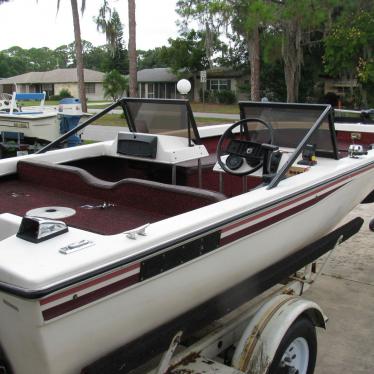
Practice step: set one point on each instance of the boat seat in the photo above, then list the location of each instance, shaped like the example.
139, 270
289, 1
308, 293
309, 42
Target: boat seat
136, 193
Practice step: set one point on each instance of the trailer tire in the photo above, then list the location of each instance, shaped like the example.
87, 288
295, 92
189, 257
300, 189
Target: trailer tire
371, 225
297, 352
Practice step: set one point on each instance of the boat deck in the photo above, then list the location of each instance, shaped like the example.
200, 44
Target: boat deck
136, 202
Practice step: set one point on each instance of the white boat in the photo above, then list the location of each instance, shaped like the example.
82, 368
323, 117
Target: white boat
33, 124
104, 244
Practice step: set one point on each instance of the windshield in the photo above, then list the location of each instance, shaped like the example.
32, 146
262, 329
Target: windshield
161, 117
291, 124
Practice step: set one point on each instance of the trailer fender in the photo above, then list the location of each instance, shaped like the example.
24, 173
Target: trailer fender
260, 340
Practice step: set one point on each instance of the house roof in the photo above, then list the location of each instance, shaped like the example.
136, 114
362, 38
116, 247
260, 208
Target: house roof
55, 76
156, 75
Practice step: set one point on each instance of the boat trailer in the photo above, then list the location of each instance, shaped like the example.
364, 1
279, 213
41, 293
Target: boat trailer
273, 333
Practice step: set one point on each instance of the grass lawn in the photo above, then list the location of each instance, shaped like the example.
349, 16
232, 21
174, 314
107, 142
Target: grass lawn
111, 120
98, 106
36, 102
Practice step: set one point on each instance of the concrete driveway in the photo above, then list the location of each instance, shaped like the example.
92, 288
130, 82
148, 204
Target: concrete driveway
345, 292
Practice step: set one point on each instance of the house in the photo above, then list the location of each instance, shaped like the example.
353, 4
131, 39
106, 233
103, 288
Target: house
224, 79
54, 81
340, 92
162, 83
159, 83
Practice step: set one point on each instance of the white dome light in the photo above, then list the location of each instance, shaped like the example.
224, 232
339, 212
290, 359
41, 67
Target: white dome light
183, 86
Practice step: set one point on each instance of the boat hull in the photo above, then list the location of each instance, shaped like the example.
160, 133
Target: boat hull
43, 126
73, 338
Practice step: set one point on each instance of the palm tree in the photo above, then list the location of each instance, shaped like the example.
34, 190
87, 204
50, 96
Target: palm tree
109, 23
78, 50
132, 50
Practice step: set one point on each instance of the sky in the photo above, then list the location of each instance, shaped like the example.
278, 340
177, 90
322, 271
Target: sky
32, 23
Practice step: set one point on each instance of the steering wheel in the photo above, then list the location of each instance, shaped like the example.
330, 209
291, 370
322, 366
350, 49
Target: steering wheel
243, 156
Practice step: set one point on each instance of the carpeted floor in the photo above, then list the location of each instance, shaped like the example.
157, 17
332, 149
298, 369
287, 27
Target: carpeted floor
19, 197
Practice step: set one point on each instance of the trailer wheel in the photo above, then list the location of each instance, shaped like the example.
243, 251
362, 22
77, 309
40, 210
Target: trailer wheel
297, 351
371, 225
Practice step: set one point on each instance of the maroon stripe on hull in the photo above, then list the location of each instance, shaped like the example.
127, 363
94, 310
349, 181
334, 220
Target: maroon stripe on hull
70, 305
85, 285
258, 226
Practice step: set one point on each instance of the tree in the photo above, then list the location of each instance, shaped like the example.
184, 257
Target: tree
187, 53
109, 22
10, 66
349, 49
245, 18
16, 60
132, 50
114, 85
153, 58
78, 50
98, 58
19, 60
65, 55
297, 21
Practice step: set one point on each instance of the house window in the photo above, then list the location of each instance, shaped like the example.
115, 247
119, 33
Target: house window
171, 90
218, 84
151, 90
90, 88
